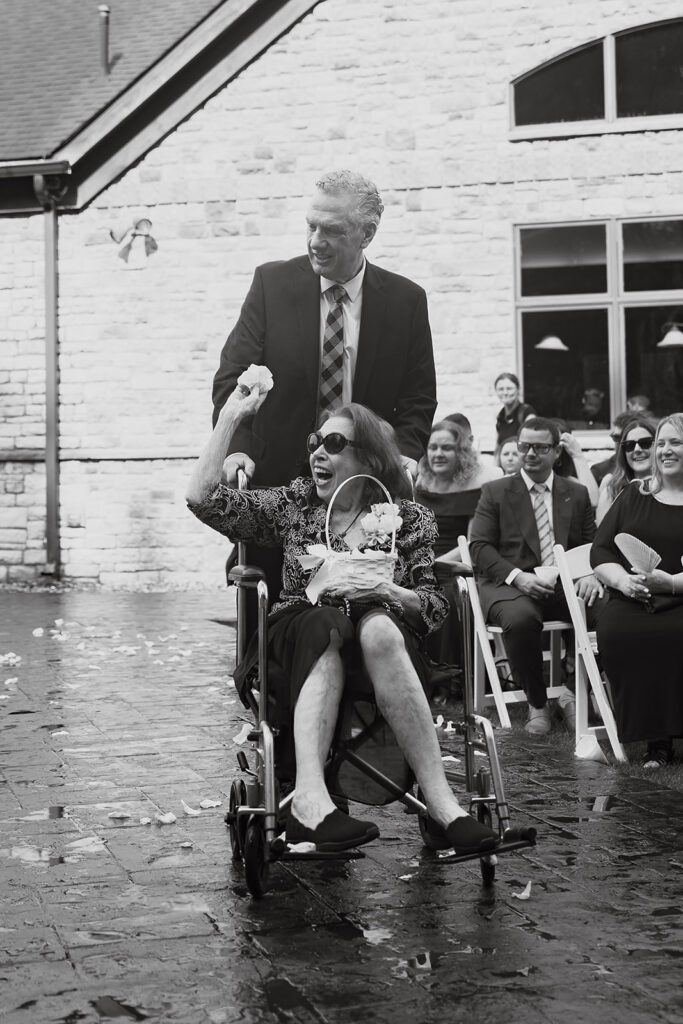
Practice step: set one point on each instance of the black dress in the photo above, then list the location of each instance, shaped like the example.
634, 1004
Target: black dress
508, 424
453, 512
642, 646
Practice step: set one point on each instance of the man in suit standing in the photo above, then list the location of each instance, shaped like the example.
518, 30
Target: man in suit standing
517, 522
332, 328
381, 355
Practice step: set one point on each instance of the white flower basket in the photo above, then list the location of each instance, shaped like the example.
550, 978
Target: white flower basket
342, 570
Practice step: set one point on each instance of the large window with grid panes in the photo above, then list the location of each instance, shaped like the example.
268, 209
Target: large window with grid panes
600, 317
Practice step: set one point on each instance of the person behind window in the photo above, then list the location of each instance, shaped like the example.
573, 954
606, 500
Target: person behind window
633, 461
508, 457
640, 629
601, 469
572, 463
514, 411
638, 403
375, 629
592, 411
450, 477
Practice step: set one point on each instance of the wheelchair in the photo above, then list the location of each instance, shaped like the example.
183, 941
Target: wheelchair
365, 763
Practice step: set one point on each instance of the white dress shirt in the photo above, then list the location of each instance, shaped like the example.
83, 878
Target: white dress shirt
351, 311
547, 498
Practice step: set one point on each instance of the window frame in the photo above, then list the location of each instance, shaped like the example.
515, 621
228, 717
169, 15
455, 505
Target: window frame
615, 299
610, 124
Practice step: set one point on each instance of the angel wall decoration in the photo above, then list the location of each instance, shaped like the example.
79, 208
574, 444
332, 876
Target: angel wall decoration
140, 245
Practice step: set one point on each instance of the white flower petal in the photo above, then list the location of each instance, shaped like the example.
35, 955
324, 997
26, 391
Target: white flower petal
190, 810
525, 894
166, 819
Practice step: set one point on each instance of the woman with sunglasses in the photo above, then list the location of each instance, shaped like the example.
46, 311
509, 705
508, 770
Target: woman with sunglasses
640, 630
354, 639
633, 461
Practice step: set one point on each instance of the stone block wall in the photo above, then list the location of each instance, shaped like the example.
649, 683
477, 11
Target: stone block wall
414, 95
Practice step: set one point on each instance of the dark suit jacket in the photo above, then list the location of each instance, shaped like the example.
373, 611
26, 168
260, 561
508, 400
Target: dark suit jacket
504, 535
279, 327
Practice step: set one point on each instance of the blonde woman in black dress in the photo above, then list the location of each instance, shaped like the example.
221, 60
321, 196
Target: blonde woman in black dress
640, 631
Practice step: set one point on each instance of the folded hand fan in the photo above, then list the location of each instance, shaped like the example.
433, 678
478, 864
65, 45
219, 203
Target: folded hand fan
640, 556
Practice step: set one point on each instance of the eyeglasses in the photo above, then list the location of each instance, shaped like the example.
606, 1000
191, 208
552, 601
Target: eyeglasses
333, 443
643, 442
538, 447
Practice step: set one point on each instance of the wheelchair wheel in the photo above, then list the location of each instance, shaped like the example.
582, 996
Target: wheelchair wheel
488, 869
237, 828
256, 866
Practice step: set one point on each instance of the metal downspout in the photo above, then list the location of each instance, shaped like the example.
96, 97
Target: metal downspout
53, 560
48, 191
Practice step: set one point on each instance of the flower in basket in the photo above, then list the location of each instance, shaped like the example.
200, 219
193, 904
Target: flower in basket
379, 525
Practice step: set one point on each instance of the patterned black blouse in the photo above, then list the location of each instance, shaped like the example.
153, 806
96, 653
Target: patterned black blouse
295, 517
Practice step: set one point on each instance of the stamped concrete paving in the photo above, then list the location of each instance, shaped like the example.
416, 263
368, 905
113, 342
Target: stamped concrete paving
126, 707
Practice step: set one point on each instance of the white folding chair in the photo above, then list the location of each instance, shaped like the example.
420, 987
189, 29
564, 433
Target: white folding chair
573, 564
485, 660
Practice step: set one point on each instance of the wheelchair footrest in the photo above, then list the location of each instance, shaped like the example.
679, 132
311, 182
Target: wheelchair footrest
280, 851
319, 855
507, 846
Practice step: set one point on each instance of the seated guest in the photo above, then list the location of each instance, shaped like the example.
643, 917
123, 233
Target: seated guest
572, 463
377, 629
601, 469
514, 411
640, 630
508, 457
517, 522
449, 483
450, 477
633, 461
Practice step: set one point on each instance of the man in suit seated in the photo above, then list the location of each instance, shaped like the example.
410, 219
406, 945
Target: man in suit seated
517, 522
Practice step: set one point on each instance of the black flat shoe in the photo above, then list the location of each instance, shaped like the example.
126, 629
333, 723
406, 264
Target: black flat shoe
336, 832
464, 835
658, 755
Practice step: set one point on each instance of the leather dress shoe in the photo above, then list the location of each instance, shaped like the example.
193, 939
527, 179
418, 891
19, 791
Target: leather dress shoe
538, 722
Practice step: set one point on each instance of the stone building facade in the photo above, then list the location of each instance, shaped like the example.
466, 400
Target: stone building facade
418, 97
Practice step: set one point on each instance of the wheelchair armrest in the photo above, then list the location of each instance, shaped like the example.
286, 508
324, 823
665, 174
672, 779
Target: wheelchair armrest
445, 570
246, 575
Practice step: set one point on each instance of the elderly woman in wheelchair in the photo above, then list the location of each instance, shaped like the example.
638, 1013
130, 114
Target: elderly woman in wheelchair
374, 632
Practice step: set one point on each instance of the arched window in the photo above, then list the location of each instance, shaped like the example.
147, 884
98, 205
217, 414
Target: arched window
629, 81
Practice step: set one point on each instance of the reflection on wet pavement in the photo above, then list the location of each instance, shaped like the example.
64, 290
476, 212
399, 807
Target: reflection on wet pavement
122, 711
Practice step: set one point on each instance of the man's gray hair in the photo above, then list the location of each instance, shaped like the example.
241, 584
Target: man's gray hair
370, 205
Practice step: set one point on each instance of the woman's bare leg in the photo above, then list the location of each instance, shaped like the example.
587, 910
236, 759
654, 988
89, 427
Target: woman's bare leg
315, 718
402, 702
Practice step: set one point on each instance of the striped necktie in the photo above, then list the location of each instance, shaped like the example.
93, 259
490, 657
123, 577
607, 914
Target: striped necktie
545, 529
332, 359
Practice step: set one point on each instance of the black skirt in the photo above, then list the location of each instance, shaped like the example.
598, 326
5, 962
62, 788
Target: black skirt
297, 637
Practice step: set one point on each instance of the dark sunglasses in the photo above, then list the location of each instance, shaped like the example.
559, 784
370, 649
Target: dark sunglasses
539, 448
643, 442
332, 443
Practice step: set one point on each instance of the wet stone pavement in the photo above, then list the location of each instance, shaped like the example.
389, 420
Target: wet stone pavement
122, 709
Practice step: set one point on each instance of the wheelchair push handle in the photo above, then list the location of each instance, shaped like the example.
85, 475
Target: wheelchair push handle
358, 476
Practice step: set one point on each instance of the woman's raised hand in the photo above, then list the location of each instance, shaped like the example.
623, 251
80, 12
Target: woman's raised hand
242, 402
